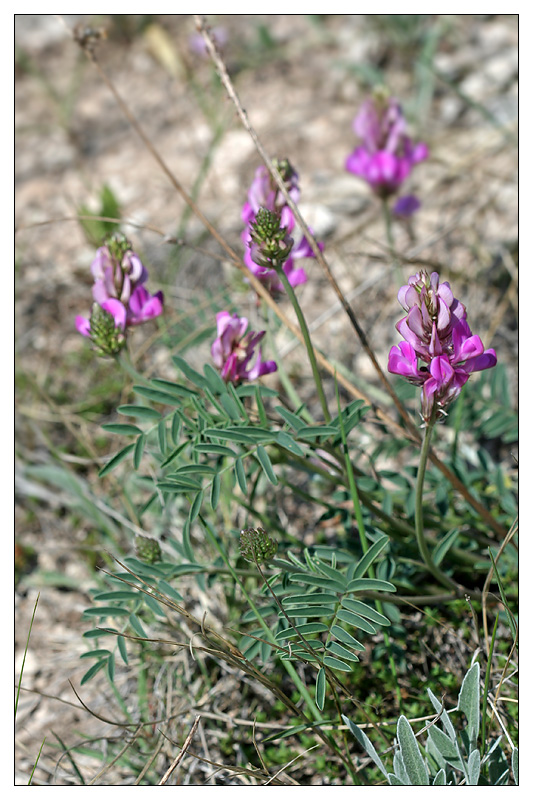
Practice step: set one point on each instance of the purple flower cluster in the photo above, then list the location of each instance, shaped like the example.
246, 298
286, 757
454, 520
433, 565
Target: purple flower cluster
233, 350
386, 155
439, 352
118, 288
264, 193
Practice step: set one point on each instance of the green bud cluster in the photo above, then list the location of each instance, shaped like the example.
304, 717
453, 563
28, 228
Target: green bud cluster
107, 339
271, 243
147, 549
257, 546
118, 245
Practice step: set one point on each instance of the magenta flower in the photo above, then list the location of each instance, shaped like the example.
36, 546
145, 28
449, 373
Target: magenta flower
233, 350
117, 270
439, 352
143, 306
386, 154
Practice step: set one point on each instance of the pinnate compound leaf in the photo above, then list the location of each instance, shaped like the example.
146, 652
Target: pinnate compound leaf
366, 744
412, 758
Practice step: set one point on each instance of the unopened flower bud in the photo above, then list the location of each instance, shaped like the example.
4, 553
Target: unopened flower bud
147, 549
271, 243
257, 546
106, 328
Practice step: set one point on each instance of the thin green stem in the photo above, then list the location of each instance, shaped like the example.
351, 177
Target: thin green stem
419, 520
283, 376
486, 689
307, 340
123, 360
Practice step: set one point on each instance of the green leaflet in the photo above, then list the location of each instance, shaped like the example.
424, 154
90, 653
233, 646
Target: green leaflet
115, 461
320, 691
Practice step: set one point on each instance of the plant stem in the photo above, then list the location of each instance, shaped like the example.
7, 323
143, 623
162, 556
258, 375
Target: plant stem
283, 376
419, 522
123, 360
307, 341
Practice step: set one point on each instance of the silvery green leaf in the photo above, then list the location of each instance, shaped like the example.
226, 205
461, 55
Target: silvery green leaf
446, 747
399, 768
394, 781
514, 764
472, 768
412, 758
469, 703
445, 719
440, 778
434, 756
366, 744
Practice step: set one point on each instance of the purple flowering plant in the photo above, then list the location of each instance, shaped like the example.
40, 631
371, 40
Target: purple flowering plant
236, 440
